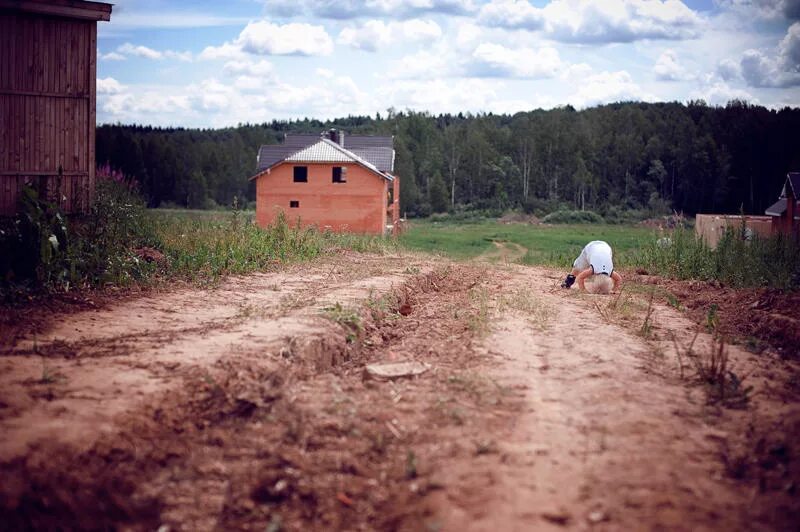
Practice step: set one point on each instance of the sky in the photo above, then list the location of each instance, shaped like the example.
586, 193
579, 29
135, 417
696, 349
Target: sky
214, 63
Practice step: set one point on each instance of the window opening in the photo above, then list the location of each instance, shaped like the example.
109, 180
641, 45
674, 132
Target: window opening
339, 174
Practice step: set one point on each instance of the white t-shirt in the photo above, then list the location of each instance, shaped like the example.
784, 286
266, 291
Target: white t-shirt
596, 255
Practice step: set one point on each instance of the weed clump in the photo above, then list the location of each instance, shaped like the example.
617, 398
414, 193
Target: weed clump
722, 384
739, 260
348, 318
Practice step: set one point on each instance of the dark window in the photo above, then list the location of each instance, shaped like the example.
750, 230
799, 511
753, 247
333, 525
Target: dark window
301, 174
339, 174
294, 204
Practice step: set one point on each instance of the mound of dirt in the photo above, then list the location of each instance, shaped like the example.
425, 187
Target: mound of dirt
754, 316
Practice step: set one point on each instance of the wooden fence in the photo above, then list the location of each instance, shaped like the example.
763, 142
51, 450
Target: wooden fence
711, 227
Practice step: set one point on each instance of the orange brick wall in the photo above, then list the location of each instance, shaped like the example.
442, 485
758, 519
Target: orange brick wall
357, 206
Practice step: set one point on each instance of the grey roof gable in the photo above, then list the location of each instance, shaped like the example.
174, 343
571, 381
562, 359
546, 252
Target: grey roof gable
380, 158
376, 150
358, 142
792, 180
269, 154
792, 184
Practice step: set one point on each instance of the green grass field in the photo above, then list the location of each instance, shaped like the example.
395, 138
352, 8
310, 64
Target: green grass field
554, 245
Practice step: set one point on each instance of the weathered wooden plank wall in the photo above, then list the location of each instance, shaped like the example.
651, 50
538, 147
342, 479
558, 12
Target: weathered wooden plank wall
711, 227
47, 101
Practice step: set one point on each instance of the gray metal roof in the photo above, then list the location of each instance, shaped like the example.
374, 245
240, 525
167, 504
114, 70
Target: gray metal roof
378, 151
779, 209
360, 142
269, 154
322, 151
382, 158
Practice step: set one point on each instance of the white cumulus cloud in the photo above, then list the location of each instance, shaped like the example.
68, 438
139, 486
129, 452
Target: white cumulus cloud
113, 56
225, 51
668, 68
729, 70
129, 49
453, 96
265, 38
375, 34
591, 21
219, 102
720, 93
139, 51
577, 72
789, 49
760, 70
608, 87
353, 9
494, 60
763, 9
620, 20
109, 86
512, 14
781, 68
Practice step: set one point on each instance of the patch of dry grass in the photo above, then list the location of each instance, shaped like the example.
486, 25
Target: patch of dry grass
538, 312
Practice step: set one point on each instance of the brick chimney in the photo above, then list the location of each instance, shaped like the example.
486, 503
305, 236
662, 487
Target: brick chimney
337, 136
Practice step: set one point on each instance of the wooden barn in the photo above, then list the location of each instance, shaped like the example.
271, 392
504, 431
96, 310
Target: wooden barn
335, 182
785, 212
48, 63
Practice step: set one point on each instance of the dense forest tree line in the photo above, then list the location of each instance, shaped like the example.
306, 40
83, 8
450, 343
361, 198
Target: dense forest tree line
692, 158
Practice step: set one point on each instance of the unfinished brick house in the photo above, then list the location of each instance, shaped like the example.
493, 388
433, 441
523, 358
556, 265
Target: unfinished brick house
335, 182
785, 212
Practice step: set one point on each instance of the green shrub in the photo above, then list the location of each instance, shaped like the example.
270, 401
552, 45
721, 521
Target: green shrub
103, 250
620, 215
34, 244
42, 250
461, 216
541, 207
573, 217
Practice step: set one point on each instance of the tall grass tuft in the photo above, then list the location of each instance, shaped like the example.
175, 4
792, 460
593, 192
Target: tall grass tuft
203, 248
738, 260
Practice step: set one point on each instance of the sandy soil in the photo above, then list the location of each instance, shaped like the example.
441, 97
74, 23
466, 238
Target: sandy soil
246, 406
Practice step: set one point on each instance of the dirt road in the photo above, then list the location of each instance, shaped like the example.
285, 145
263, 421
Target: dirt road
248, 406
